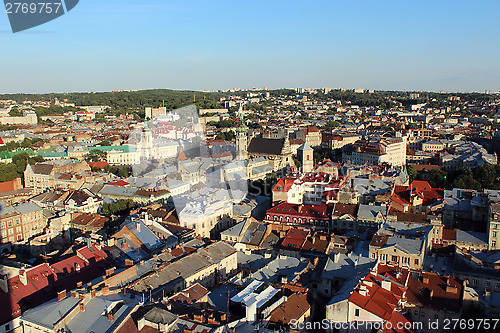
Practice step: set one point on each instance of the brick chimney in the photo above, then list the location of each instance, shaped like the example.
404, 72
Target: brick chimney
110, 316
82, 306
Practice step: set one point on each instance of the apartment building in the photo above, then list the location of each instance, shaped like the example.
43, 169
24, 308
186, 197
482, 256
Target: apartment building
57, 174
396, 251
494, 227
207, 218
377, 151
20, 222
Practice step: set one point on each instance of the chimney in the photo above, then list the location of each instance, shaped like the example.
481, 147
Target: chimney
61, 295
425, 279
105, 290
110, 271
89, 243
110, 316
386, 284
138, 226
82, 306
4, 285
79, 284
23, 277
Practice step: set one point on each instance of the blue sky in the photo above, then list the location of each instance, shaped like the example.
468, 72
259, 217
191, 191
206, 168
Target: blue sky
403, 45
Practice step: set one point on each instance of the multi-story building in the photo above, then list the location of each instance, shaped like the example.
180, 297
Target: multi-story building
375, 300
83, 201
20, 222
336, 141
291, 214
433, 297
207, 218
155, 112
398, 251
494, 227
432, 146
377, 151
207, 266
57, 174
310, 135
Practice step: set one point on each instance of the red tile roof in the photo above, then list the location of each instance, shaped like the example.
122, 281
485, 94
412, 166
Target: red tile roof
378, 297
284, 184
120, 182
293, 308
434, 291
342, 209
44, 281
191, 294
306, 214
99, 165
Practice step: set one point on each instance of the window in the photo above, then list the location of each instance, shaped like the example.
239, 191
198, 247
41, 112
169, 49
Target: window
416, 261
416, 312
356, 313
395, 258
474, 282
494, 234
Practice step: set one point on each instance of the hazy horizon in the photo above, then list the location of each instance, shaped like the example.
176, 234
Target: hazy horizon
212, 45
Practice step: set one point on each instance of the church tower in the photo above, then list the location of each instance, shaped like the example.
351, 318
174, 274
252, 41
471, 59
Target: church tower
306, 154
146, 144
241, 137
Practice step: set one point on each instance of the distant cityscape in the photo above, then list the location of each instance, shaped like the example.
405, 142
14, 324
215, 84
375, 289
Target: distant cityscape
250, 210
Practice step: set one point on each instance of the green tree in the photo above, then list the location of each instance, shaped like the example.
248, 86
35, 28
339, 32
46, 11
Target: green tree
437, 178
14, 112
412, 173
332, 124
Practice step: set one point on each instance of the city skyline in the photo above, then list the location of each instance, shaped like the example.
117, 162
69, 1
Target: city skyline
210, 46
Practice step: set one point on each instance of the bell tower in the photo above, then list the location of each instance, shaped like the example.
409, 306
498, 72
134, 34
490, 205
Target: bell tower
241, 137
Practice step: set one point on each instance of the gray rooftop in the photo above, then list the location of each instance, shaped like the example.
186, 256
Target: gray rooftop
145, 235
412, 246
340, 265
370, 213
94, 318
51, 312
